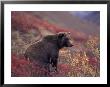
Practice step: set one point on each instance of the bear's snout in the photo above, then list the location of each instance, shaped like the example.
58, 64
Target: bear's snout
70, 43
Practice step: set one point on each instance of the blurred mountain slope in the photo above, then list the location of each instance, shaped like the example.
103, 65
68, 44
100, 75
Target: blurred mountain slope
67, 20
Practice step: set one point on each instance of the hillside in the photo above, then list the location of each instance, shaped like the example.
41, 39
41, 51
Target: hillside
81, 60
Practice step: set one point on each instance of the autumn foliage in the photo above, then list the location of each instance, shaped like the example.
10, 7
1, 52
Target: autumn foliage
82, 60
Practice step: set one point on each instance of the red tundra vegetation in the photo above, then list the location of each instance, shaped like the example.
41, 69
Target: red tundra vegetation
82, 60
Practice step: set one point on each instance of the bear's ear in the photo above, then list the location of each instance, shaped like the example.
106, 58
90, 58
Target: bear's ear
61, 34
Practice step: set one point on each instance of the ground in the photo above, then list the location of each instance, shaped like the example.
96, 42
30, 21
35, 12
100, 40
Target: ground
81, 60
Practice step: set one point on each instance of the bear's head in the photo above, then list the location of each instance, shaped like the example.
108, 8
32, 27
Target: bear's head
64, 39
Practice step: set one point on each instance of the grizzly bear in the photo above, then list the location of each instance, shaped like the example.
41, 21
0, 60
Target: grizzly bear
46, 51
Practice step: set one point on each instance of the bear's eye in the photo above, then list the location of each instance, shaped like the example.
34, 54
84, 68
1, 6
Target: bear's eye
61, 35
65, 39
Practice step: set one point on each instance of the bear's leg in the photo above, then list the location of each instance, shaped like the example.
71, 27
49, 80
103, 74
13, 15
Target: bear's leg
47, 69
54, 63
54, 59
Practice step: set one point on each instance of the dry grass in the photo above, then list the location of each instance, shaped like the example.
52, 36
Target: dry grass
82, 60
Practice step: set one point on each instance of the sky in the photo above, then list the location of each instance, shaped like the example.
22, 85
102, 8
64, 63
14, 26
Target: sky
93, 16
